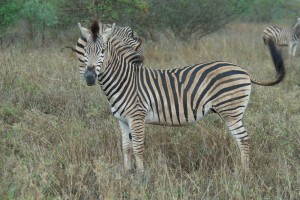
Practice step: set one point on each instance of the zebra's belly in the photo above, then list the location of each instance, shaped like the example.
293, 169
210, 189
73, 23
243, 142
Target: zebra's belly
153, 118
167, 118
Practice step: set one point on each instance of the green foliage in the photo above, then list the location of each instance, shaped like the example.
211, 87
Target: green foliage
120, 10
185, 18
199, 17
38, 16
8, 13
266, 11
39, 13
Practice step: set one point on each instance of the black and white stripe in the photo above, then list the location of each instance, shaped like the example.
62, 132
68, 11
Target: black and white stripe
139, 95
84, 44
284, 36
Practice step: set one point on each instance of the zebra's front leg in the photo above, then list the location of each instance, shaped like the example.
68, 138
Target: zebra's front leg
137, 129
126, 144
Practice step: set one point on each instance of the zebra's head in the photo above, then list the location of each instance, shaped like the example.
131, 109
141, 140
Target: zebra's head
92, 52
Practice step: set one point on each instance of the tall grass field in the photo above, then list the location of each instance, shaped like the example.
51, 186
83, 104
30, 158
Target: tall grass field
59, 140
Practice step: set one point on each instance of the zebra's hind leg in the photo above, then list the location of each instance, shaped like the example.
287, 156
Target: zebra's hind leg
126, 145
241, 136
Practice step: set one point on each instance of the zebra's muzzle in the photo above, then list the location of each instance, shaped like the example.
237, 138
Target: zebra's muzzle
90, 77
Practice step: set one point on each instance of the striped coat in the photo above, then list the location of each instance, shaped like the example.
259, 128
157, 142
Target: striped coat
139, 95
284, 36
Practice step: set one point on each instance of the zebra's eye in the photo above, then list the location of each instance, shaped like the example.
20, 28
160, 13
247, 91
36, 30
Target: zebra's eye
102, 51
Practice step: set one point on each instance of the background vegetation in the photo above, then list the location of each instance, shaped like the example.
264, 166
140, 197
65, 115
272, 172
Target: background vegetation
58, 139
181, 19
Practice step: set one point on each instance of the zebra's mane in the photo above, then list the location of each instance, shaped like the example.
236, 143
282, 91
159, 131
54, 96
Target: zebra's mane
127, 34
131, 45
95, 29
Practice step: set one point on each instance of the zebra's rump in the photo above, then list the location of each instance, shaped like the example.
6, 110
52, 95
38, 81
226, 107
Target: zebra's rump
277, 34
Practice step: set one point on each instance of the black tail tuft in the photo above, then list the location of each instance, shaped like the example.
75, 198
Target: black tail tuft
277, 60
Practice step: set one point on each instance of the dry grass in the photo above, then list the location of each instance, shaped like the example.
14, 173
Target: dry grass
58, 139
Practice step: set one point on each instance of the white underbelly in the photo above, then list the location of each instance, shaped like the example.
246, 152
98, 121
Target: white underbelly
152, 118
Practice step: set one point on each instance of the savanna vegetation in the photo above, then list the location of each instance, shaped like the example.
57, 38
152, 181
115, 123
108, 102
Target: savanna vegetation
58, 139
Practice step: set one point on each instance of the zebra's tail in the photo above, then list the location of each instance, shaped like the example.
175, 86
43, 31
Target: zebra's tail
278, 64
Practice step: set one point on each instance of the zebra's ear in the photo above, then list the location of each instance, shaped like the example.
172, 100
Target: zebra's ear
108, 32
84, 31
113, 27
101, 27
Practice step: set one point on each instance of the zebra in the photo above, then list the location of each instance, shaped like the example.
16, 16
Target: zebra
138, 95
284, 36
99, 27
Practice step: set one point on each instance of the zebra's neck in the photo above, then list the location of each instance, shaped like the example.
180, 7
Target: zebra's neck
116, 79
